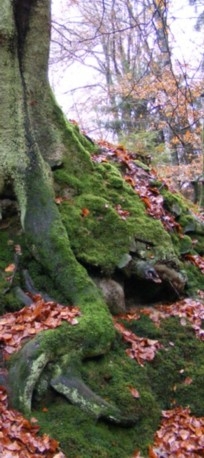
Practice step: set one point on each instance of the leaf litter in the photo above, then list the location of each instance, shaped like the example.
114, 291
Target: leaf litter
18, 436
181, 435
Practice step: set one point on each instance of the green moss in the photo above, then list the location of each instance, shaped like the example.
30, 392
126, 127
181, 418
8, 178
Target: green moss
183, 244
190, 391
116, 182
80, 435
65, 345
175, 202
8, 301
144, 327
142, 165
160, 383
91, 336
195, 278
199, 246
180, 358
64, 178
192, 226
91, 236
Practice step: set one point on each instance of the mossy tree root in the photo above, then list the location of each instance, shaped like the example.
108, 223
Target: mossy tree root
27, 366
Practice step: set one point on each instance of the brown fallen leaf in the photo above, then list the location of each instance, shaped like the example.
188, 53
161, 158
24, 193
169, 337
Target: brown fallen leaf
135, 393
10, 268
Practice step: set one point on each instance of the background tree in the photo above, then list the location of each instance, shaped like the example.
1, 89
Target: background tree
141, 87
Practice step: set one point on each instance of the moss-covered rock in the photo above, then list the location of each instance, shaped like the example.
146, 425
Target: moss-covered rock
91, 217
192, 225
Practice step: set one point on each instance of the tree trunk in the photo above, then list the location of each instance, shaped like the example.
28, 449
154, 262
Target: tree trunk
33, 136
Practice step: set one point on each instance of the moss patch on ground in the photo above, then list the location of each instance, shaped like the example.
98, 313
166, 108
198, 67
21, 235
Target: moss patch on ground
175, 373
83, 437
111, 377
195, 279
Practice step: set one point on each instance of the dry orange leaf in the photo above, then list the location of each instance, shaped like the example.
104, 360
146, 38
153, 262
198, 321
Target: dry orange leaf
19, 437
136, 454
85, 212
130, 181
10, 268
17, 326
151, 453
58, 200
180, 435
188, 381
135, 393
142, 349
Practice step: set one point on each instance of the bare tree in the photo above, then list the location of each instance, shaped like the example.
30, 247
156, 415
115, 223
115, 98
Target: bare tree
139, 86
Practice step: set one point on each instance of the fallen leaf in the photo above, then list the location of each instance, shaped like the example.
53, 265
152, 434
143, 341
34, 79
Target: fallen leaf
10, 268
135, 393
58, 200
136, 454
177, 435
40, 315
59, 455
19, 437
188, 381
151, 453
85, 212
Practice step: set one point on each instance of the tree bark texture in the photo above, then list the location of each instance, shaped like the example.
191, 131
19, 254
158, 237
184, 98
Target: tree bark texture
30, 134
31, 139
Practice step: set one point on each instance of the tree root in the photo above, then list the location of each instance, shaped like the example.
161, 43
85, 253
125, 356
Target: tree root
79, 394
26, 369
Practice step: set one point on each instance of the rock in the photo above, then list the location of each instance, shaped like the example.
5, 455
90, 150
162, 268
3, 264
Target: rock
177, 279
75, 390
113, 294
143, 269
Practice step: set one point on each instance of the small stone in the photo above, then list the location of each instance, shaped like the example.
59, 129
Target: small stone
113, 294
